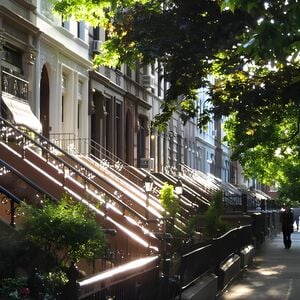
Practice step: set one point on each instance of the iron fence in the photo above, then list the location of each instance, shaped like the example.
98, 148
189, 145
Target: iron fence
209, 255
127, 282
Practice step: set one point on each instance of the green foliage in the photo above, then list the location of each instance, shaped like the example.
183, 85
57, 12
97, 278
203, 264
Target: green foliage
250, 47
65, 230
15, 253
10, 287
54, 283
289, 189
9, 251
192, 223
194, 39
214, 225
169, 200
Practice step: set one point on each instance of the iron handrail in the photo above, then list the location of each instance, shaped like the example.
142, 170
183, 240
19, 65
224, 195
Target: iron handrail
10, 195
27, 180
45, 142
103, 152
185, 168
93, 285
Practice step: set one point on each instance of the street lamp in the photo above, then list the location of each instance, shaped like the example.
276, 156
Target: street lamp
148, 185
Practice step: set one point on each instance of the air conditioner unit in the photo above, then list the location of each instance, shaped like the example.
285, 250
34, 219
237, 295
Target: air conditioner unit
148, 81
97, 46
147, 163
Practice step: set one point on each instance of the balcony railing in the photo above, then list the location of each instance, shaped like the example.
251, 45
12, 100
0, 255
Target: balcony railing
14, 85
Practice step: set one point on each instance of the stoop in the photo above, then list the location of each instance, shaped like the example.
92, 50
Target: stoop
205, 288
247, 255
229, 269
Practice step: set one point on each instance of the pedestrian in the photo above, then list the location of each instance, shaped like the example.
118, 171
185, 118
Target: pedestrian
287, 223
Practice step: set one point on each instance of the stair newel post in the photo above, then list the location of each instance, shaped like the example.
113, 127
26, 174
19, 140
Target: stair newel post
105, 206
85, 184
6, 137
12, 213
72, 288
47, 156
85, 176
64, 174
23, 146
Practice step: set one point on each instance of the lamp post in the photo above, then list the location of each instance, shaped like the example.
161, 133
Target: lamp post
148, 185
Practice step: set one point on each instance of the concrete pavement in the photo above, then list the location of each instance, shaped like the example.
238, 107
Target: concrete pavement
275, 273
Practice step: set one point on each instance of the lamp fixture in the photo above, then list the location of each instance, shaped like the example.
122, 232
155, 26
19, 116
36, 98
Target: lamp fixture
179, 187
148, 184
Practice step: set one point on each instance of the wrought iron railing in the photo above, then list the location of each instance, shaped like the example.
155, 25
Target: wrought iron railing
9, 199
56, 156
100, 200
207, 256
202, 179
138, 279
40, 192
88, 147
14, 85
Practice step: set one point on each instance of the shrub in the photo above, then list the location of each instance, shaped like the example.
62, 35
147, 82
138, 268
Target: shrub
214, 225
10, 288
169, 200
66, 230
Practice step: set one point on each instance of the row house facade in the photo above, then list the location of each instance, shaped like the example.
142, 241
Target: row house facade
104, 111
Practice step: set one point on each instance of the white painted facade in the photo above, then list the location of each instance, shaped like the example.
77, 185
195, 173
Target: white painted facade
64, 54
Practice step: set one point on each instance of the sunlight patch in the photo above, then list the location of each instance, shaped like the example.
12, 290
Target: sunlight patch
271, 270
240, 291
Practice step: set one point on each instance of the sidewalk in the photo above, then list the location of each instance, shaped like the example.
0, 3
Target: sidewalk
275, 273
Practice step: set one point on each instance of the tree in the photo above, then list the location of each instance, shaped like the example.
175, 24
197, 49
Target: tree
169, 200
250, 47
66, 230
193, 39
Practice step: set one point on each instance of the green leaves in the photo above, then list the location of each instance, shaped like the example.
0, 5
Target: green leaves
65, 230
250, 47
229, 4
169, 200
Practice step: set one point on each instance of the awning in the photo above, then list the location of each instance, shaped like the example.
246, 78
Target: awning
21, 112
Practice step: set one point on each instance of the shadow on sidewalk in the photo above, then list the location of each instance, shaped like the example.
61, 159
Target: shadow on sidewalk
274, 274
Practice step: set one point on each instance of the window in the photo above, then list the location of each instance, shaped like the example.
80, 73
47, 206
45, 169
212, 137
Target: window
65, 23
160, 80
78, 114
128, 71
13, 58
62, 108
79, 96
152, 68
79, 90
63, 92
118, 128
96, 33
81, 30
137, 74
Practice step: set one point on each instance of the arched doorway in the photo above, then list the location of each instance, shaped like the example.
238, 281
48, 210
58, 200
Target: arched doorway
44, 102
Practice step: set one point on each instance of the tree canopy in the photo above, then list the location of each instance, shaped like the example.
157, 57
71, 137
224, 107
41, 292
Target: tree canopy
250, 47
